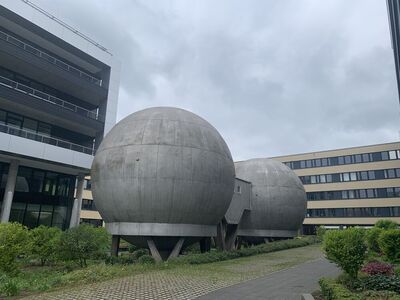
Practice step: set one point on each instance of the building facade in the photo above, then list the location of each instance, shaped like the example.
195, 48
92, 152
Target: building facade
58, 97
352, 186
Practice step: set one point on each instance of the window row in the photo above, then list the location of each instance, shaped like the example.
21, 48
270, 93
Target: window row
357, 212
94, 222
355, 194
351, 176
19, 122
344, 160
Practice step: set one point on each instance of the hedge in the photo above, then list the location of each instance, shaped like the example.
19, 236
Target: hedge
335, 291
215, 256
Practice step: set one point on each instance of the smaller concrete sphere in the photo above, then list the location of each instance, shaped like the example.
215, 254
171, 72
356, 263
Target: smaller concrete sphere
160, 170
278, 199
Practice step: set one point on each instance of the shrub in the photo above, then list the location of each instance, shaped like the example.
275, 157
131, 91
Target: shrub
382, 283
82, 243
386, 224
335, 291
146, 260
140, 252
320, 233
9, 286
389, 243
372, 237
346, 248
13, 241
378, 268
43, 243
132, 248
122, 260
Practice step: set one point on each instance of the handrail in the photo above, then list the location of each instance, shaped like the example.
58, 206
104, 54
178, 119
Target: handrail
47, 57
62, 23
45, 139
48, 98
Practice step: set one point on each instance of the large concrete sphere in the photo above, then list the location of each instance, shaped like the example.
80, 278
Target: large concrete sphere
278, 199
163, 172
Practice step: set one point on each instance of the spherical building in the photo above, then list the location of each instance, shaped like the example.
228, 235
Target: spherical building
278, 200
162, 174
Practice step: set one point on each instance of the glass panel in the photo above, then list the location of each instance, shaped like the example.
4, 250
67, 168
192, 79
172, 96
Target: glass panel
329, 178
37, 181
391, 173
364, 175
363, 194
46, 214
313, 179
385, 155
44, 129
324, 162
23, 180
376, 156
392, 154
308, 164
353, 176
398, 173
302, 164
32, 215
341, 160
365, 157
344, 194
358, 158
17, 212
346, 177
334, 161
317, 162
379, 174
322, 178
371, 175
60, 216
14, 120
370, 193
335, 177
347, 159
351, 194
3, 116
30, 125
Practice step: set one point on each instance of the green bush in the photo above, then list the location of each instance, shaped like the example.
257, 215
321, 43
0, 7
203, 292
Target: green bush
382, 283
132, 248
389, 243
146, 260
43, 243
346, 248
9, 286
126, 259
372, 237
320, 233
386, 224
82, 243
140, 252
13, 243
335, 291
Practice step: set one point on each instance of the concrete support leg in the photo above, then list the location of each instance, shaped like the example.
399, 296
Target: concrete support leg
115, 245
9, 191
220, 240
177, 249
76, 209
230, 236
205, 245
153, 250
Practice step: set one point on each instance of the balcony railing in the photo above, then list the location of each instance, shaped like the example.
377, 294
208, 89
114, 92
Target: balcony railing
51, 59
49, 98
45, 139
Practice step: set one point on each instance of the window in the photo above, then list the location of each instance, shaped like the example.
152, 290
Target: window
365, 157
308, 163
328, 178
379, 174
370, 193
341, 160
344, 195
398, 173
296, 165
14, 120
353, 176
317, 162
392, 154
347, 159
371, 175
376, 156
385, 155
358, 158
363, 194
334, 161
346, 177
364, 175
335, 177
30, 125
391, 173
324, 162
302, 164
313, 179
322, 178
351, 194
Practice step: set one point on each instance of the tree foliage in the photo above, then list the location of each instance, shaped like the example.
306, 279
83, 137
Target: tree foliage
346, 248
44, 242
386, 224
389, 243
82, 243
13, 243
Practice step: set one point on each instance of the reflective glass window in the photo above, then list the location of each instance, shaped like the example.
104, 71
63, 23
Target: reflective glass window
358, 158
371, 175
14, 120
341, 160
351, 194
322, 178
46, 214
324, 162
365, 157
335, 177
346, 177
376, 156
317, 162
385, 155
302, 164
3, 116
347, 159
379, 174
392, 154
309, 163
334, 161
353, 176
391, 173
296, 164
363, 194
328, 178
370, 193
313, 179
32, 215
364, 175
398, 173
17, 212
344, 194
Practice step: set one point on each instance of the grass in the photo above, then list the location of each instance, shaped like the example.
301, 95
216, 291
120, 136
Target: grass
219, 274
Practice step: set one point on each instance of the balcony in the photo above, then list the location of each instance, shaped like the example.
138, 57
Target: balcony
45, 139
49, 58
49, 99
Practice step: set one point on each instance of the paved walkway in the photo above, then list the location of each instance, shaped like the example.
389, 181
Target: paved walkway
283, 285
234, 279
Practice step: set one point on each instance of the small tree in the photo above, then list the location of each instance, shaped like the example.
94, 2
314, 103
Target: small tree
372, 237
13, 241
346, 248
389, 243
386, 224
321, 230
44, 242
82, 243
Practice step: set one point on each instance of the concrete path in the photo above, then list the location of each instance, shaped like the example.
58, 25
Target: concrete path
283, 285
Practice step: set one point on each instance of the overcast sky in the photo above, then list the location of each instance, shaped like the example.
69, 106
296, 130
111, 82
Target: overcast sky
274, 77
